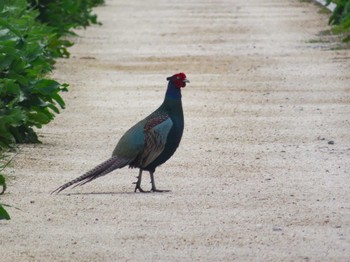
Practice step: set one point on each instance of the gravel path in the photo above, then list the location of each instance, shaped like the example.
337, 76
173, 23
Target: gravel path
263, 169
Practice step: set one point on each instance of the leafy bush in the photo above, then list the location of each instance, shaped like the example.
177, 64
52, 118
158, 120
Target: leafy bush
341, 17
31, 38
63, 15
27, 99
3, 212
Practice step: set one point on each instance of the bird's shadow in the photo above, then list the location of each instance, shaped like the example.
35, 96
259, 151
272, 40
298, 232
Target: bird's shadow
114, 193
99, 193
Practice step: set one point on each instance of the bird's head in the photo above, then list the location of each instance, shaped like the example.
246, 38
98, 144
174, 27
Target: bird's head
179, 80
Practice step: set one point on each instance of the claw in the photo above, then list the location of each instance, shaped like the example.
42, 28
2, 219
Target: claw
138, 182
154, 189
160, 190
140, 189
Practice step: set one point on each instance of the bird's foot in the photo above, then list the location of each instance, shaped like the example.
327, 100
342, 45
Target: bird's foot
138, 187
153, 190
159, 190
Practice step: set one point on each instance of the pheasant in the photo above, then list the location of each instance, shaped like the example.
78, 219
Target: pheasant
147, 144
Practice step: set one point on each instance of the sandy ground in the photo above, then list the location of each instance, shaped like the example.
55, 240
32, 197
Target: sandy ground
256, 176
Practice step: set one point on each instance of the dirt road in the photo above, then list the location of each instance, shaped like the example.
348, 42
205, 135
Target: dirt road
263, 168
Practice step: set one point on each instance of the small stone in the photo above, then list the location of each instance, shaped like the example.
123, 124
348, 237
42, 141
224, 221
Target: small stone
276, 229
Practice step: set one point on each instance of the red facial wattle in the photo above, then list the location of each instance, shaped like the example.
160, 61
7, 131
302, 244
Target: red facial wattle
180, 80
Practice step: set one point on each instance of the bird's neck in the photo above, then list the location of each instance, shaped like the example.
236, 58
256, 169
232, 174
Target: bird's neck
173, 92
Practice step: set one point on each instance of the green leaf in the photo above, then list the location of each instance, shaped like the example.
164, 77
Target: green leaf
46, 87
53, 108
5, 24
12, 117
39, 118
3, 213
2, 184
59, 100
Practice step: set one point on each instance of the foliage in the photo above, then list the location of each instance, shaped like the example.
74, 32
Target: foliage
341, 17
64, 15
27, 99
31, 38
2, 184
3, 212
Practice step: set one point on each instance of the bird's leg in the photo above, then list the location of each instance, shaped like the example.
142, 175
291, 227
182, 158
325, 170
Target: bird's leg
154, 189
138, 183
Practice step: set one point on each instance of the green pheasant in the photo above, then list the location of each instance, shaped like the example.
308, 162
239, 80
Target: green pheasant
149, 143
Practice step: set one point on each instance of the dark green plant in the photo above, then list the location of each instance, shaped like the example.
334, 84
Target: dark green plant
2, 184
27, 99
31, 38
64, 15
95, 3
3, 212
340, 17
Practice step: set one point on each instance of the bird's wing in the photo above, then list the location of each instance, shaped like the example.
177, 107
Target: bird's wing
132, 143
156, 132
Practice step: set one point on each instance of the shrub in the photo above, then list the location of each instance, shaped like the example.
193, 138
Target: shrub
340, 17
31, 38
3, 212
27, 99
63, 15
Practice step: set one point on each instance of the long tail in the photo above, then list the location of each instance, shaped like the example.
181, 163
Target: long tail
102, 169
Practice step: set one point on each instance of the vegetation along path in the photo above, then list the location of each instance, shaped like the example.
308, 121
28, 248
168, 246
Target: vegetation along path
263, 167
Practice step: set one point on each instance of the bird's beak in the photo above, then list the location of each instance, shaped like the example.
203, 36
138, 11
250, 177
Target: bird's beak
186, 80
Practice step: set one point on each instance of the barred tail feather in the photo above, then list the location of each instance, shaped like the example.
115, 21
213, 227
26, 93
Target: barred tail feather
102, 169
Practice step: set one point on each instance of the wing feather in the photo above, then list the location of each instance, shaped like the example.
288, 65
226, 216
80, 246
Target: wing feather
156, 133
